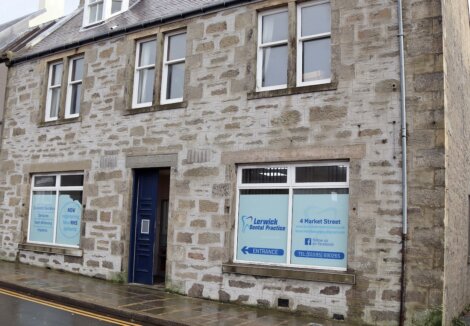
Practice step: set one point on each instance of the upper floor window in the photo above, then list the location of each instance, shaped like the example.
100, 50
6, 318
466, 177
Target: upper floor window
64, 86
172, 60
53, 91
313, 47
144, 76
314, 43
74, 89
99, 10
173, 68
273, 49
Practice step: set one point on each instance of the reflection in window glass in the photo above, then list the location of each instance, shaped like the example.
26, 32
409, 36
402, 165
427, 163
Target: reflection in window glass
264, 175
116, 6
275, 66
174, 68
314, 43
45, 181
334, 173
275, 27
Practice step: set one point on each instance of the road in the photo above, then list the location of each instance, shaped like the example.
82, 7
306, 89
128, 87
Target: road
17, 309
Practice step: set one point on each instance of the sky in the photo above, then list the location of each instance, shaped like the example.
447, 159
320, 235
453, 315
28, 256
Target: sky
12, 9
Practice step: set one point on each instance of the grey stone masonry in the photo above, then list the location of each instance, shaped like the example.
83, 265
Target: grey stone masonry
224, 122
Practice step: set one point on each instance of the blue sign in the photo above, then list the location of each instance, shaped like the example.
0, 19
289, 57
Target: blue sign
319, 254
68, 227
320, 229
262, 228
41, 228
263, 251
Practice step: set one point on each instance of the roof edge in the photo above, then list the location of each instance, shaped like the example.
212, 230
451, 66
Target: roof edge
133, 28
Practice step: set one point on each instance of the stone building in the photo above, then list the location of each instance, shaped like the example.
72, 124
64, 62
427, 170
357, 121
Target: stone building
248, 151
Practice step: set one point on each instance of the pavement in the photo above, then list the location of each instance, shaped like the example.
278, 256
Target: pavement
142, 304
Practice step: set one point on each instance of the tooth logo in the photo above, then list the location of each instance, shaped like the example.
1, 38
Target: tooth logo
246, 222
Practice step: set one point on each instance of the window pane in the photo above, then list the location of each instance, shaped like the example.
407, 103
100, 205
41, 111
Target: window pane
262, 226
116, 6
56, 74
316, 19
69, 217
316, 60
74, 180
177, 47
264, 175
77, 69
45, 181
75, 100
175, 81
320, 227
275, 27
41, 223
321, 173
55, 98
148, 53
146, 82
96, 12
275, 66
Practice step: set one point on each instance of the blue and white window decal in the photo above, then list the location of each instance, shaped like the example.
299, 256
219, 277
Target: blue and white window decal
294, 215
56, 209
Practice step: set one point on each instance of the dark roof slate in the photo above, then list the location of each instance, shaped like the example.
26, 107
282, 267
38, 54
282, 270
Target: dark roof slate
140, 11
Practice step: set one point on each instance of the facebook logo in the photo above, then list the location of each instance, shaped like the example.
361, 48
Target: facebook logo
308, 241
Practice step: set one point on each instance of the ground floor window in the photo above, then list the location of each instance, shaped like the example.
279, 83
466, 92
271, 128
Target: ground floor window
293, 215
56, 209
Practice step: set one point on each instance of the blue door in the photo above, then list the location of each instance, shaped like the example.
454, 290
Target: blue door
143, 226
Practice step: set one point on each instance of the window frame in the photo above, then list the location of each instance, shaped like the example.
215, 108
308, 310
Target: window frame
50, 88
106, 13
137, 69
291, 185
166, 64
260, 46
57, 188
70, 84
301, 40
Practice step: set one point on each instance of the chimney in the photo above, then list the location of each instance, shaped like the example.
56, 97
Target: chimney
53, 9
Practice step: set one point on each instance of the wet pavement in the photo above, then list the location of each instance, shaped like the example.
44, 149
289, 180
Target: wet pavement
15, 311
147, 305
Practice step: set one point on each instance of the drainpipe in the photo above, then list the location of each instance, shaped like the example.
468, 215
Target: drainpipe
404, 161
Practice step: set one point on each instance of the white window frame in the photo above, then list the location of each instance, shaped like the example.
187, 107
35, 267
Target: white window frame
137, 69
291, 185
166, 64
300, 43
106, 11
70, 83
261, 46
51, 87
57, 188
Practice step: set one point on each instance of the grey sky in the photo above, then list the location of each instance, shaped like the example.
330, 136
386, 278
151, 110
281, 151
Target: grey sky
12, 9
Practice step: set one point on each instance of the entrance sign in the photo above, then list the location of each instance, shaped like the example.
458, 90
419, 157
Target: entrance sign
262, 225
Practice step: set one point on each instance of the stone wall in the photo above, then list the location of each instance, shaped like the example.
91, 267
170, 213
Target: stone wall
358, 120
426, 169
3, 82
456, 26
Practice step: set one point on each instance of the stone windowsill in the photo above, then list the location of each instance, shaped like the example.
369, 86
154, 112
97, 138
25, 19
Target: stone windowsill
155, 108
290, 273
51, 249
59, 122
293, 90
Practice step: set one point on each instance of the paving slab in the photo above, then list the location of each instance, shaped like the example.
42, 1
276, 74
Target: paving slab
143, 304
